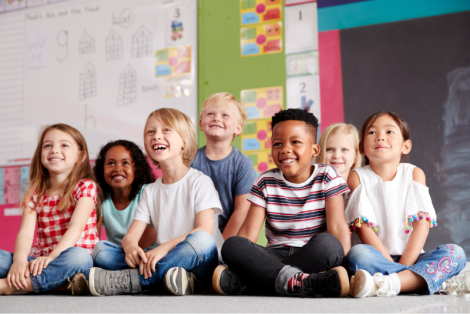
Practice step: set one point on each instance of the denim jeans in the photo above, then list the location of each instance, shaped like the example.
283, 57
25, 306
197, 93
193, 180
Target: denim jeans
71, 261
268, 270
197, 254
434, 266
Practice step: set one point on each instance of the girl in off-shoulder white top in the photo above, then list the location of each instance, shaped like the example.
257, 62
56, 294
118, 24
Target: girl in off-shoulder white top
391, 211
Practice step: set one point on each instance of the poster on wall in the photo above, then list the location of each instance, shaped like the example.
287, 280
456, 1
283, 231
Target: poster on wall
304, 63
261, 39
303, 92
301, 28
177, 25
171, 61
260, 11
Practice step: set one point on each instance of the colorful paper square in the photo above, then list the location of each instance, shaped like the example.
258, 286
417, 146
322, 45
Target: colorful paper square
261, 39
262, 102
171, 61
256, 135
260, 11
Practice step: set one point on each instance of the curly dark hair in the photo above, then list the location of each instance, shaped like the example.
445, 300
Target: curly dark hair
298, 115
142, 172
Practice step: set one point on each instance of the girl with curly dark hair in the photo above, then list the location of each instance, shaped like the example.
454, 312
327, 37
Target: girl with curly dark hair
122, 172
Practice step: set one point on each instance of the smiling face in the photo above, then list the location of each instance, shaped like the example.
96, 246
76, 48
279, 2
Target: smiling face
221, 123
340, 153
163, 143
384, 142
119, 168
293, 150
59, 152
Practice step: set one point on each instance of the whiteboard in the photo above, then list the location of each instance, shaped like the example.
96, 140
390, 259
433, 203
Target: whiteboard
90, 64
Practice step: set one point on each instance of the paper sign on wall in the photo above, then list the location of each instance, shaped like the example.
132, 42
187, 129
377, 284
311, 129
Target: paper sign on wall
301, 28
178, 86
305, 63
261, 39
12, 185
172, 61
304, 92
262, 160
256, 135
177, 25
295, 2
2, 173
260, 11
262, 102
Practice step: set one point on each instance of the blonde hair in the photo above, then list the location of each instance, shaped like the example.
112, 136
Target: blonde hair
223, 99
39, 175
181, 123
338, 128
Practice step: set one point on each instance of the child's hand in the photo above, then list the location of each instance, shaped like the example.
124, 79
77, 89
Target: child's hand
40, 263
18, 273
134, 255
153, 256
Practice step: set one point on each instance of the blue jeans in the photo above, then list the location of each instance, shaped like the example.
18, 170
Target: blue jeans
71, 261
434, 266
197, 254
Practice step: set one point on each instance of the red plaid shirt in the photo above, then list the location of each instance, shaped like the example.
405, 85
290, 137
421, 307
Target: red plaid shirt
53, 224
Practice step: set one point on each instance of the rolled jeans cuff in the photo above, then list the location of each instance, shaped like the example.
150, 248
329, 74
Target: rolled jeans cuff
36, 286
282, 279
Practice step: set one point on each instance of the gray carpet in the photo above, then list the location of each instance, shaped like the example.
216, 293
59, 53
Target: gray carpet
33, 303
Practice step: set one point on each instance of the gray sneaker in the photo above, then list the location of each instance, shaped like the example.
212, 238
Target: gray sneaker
457, 285
107, 282
179, 281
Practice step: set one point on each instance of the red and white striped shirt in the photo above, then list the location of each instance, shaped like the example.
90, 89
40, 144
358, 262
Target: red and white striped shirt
296, 212
53, 224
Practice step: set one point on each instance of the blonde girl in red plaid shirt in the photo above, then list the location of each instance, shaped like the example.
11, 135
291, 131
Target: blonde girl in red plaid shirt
62, 200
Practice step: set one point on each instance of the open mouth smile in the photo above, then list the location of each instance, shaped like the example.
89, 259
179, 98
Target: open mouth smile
159, 147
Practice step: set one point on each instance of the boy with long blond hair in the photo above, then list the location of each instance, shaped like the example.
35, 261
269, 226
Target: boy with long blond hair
221, 119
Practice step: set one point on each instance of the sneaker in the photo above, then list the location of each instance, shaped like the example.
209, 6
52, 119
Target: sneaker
364, 285
179, 281
225, 281
78, 285
107, 282
330, 284
459, 284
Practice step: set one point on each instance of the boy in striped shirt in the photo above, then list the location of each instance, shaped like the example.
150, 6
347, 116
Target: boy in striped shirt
306, 228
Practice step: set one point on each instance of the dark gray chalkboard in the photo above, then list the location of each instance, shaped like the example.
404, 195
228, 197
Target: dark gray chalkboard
420, 69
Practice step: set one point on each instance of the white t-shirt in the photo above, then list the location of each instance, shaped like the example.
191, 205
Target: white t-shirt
389, 204
171, 209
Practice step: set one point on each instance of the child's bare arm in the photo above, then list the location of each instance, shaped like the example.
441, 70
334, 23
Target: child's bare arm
148, 238
253, 223
240, 210
130, 244
365, 232
19, 270
420, 229
336, 222
99, 224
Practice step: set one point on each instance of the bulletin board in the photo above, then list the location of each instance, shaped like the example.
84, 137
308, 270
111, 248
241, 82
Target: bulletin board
92, 64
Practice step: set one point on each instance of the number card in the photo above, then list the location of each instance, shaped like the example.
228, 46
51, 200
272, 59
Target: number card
177, 25
261, 39
256, 135
172, 61
304, 92
262, 102
262, 160
260, 11
301, 28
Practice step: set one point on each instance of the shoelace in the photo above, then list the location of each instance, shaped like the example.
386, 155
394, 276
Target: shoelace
119, 280
381, 292
71, 286
308, 291
455, 285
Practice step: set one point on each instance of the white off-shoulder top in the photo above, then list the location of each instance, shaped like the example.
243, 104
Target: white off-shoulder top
390, 207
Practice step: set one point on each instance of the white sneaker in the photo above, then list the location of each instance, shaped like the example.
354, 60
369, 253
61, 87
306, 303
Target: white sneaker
459, 284
364, 285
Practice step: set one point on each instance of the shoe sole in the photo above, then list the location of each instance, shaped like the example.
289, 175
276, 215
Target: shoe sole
216, 279
343, 281
361, 285
177, 280
92, 283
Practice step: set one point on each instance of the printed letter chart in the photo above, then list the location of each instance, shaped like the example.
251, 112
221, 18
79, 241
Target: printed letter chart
261, 104
260, 11
261, 39
12, 185
172, 61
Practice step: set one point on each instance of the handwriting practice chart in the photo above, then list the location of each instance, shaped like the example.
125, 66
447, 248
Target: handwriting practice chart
100, 66
261, 104
261, 27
